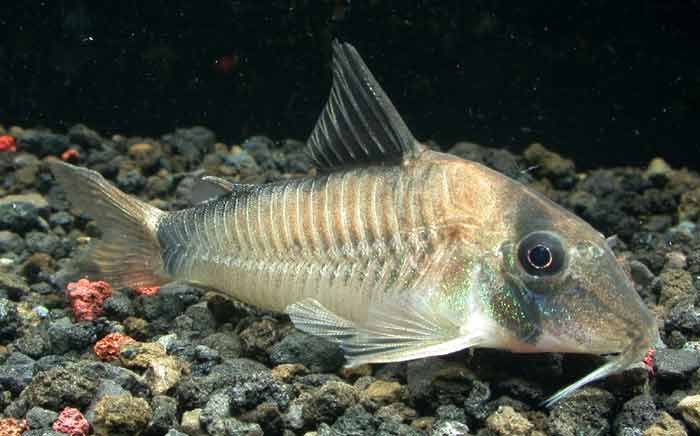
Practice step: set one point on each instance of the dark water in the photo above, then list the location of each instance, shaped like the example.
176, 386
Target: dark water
604, 82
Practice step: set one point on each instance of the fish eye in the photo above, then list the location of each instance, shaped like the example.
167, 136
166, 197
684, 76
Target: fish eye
541, 254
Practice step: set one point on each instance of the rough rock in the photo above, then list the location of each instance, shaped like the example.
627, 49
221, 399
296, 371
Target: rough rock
317, 354
58, 387
690, 411
586, 411
507, 422
329, 402
637, 413
121, 415
665, 425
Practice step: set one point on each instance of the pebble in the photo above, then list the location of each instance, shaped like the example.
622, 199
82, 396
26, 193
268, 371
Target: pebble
329, 402
451, 428
560, 171
190, 423
121, 415
637, 413
665, 425
11, 242
386, 392
9, 320
138, 355
690, 411
315, 353
16, 372
585, 411
673, 366
59, 387
163, 373
507, 422
38, 417
72, 422
13, 286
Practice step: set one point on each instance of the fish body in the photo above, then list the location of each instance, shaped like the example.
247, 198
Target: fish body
393, 251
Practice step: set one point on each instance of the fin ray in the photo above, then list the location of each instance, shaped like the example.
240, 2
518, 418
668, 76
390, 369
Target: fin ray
128, 254
359, 124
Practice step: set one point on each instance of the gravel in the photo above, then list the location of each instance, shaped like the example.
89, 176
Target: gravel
202, 364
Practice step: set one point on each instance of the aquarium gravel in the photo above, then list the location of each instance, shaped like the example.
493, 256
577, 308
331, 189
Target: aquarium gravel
83, 357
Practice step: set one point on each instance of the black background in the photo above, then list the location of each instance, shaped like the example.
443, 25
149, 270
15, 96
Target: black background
603, 82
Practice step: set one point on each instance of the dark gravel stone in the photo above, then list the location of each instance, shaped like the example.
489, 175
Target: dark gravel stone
131, 181
11, 242
260, 148
391, 428
170, 301
637, 413
60, 387
64, 335
62, 218
585, 411
218, 406
193, 391
84, 136
355, 421
203, 320
12, 286
450, 412
17, 408
16, 373
42, 143
673, 366
226, 344
313, 352
38, 417
475, 406
233, 427
329, 402
45, 243
436, 381
268, 416
164, 415
192, 143
19, 217
118, 306
259, 388
450, 428
522, 390
684, 317
9, 320
33, 343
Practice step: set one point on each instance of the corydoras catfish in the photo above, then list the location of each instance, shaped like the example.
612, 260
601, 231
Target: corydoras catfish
393, 251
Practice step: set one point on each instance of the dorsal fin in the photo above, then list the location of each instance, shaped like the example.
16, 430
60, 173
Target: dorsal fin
359, 124
210, 187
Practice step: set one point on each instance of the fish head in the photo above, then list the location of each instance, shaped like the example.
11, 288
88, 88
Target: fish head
564, 285
574, 292
547, 281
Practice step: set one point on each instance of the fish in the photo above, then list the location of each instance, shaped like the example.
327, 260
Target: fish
392, 250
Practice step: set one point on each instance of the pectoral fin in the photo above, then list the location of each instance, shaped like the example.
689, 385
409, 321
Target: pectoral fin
397, 330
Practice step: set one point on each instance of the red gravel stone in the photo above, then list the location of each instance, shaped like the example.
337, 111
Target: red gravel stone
71, 421
8, 143
107, 348
86, 298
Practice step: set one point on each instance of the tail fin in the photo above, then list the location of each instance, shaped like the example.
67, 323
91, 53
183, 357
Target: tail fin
128, 253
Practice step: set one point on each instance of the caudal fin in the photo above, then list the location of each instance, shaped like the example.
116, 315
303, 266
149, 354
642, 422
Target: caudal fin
128, 253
